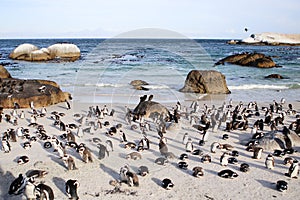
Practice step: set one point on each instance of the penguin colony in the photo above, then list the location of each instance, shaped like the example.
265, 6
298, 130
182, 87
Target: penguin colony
68, 147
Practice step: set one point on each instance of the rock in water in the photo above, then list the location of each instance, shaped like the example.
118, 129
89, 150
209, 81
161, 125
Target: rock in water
205, 81
64, 51
249, 59
138, 83
22, 52
277, 76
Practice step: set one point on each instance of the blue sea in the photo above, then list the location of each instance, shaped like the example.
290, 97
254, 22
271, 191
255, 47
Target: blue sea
107, 66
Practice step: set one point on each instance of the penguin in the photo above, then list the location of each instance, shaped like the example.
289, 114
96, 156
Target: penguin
185, 138
71, 189
281, 185
189, 146
123, 171
293, 171
18, 185
224, 159
85, 154
288, 160
130, 145
102, 151
43, 110
183, 165
197, 152
244, 167
146, 143
269, 162
122, 136
161, 161
109, 145
183, 157
69, 162
22, 160
61, 150
45, 192
132, 179
205, 136
36, 173
70, 136
227, 173
22, 115
143, 170
163, 148
20, 132
80, 131
27, 145
47, 145
257, 152
206, 158
68, 106
278, 153
214, 146
198, 172
6, 146
227, 147
167, 184
29, 191
234, 153
232, 160
134, 156
225, 137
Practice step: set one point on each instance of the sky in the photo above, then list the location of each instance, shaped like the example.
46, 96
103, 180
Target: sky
106, 19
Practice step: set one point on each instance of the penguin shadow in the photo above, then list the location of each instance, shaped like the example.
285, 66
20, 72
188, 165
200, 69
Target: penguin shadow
109, 171
57, 160
151, 160
253, 165
210, 171
267, 184
156, 181
59, 183
134, 168
6, 179
62, 107
122, 155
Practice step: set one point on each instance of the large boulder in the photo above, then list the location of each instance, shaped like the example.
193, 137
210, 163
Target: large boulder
4, 73
41, 92
64, 51
22, 52
249, 59
60, 51
151, 109
205, 82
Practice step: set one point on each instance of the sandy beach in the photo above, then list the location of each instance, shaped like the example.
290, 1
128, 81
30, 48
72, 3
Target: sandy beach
94, 178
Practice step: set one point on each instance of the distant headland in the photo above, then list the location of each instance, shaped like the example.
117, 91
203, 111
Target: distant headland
268, 38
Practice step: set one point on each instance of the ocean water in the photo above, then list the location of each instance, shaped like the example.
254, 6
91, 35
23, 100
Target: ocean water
106, 67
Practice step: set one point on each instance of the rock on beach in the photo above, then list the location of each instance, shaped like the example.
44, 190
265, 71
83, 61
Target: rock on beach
205, 81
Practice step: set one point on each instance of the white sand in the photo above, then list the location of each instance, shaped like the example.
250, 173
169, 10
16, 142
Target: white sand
94, 177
